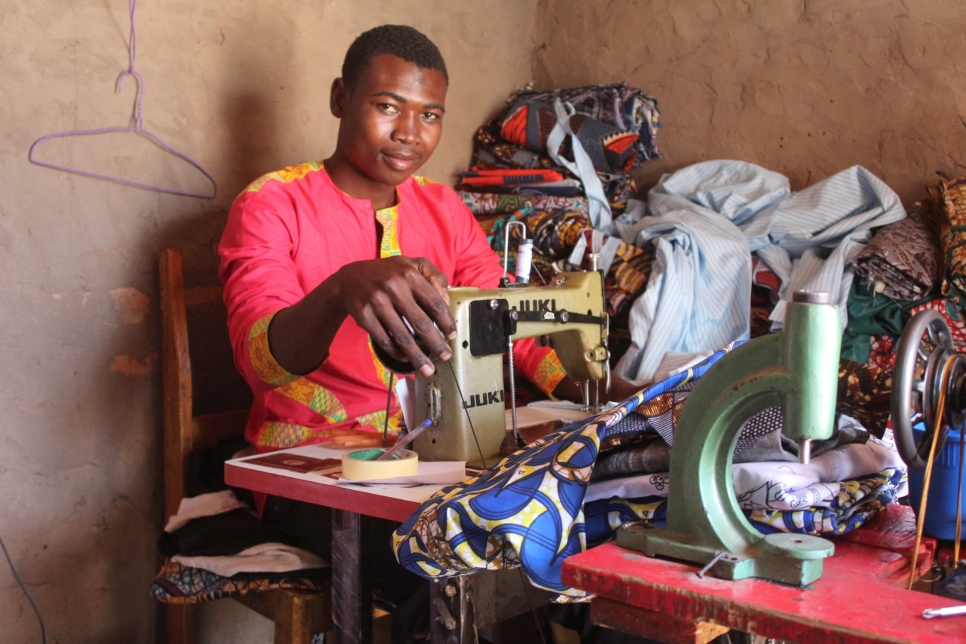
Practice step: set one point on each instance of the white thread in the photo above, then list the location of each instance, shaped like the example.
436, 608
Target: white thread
524, 258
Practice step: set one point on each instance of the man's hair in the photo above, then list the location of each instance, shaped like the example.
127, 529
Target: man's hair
399, 40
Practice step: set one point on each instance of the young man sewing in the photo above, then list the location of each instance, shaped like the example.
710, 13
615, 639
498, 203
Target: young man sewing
322, 261
318, 259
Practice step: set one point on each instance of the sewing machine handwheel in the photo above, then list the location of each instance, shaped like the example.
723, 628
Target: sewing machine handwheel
924, 347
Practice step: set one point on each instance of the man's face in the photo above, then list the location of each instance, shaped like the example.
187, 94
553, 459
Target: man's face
391, 122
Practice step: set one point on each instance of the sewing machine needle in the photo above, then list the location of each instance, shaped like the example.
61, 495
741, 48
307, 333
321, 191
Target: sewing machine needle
929, 613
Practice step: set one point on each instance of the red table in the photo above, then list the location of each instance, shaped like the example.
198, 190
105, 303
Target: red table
351, 597
860, 598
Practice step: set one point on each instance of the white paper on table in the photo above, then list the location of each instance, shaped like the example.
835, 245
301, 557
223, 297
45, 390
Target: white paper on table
429, 473
406, 395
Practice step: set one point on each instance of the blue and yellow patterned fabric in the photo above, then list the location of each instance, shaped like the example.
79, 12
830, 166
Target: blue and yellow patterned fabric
526, 510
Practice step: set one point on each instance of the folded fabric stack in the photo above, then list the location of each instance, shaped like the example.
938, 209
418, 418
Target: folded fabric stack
540, 505
514, 175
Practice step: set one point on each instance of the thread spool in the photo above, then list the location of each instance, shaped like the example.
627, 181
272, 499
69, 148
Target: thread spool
524, 260
361, 465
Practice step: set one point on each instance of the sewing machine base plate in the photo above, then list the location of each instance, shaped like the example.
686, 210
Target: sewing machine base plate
793, 559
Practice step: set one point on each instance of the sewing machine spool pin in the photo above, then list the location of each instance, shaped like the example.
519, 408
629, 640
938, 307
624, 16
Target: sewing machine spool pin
796, 369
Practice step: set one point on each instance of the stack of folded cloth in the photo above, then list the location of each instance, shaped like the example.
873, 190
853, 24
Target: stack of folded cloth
524, 182
512, 176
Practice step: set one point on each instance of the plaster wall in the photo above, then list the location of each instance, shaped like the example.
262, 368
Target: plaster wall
805, 88
241, 87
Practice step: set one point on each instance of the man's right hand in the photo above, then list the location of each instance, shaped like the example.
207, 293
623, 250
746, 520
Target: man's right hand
381, 295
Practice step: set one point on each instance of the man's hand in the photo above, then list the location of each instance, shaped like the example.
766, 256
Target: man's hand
382, 296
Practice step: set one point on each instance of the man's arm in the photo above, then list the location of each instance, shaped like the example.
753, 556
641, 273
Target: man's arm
381, 295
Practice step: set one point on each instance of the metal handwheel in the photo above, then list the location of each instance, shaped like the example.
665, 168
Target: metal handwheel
924, 349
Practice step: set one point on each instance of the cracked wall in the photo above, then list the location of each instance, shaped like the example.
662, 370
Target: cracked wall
242, 88
803, 88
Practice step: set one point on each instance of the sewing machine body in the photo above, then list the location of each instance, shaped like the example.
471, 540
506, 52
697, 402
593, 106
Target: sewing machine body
469, 410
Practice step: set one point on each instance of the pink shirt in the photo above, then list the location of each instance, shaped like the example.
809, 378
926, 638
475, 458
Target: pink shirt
289, 231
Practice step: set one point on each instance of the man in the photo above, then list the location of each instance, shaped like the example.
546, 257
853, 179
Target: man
324, 260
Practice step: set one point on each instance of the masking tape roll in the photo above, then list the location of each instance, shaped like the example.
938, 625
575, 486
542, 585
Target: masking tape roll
361, 465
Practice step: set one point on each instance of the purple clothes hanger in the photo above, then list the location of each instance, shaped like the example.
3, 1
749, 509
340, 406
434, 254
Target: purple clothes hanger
137, 128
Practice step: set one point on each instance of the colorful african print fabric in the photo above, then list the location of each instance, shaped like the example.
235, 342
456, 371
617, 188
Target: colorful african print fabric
178, 584
946, 214
854, 504
953, 315
901, 260
609, 117
611, 149
619, 104
486, 205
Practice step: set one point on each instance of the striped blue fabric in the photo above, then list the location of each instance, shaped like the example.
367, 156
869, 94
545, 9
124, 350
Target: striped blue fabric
699, 293
706, 219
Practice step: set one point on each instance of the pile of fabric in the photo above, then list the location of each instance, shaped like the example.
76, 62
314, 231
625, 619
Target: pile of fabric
717, 229
559, 162
710, 259
564, 493
915, 264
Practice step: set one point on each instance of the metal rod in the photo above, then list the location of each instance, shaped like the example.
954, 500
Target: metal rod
929, 613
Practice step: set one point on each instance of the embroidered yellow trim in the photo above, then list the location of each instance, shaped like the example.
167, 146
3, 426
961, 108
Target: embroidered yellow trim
261, 356
315, 397
281, 435
377, 419
285, 175
549, 373
389, 244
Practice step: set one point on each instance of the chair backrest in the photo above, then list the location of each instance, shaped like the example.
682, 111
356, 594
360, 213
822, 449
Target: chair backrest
184, 431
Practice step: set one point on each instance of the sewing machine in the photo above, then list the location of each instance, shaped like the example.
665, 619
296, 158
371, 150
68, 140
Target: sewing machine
796, 369
466, 397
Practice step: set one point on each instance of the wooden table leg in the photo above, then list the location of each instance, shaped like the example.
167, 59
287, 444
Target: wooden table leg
351, 591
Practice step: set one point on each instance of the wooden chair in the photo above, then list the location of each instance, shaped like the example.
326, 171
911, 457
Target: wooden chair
296, 614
